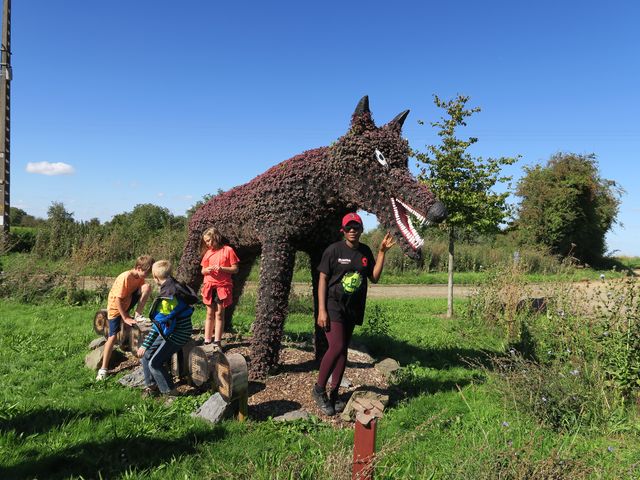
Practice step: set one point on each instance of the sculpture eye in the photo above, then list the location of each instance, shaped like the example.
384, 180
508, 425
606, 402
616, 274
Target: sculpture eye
380, 157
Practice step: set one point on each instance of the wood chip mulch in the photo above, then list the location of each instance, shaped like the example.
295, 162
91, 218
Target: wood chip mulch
289, 387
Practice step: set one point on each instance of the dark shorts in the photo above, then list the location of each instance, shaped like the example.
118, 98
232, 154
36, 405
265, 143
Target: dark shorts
116, 323
341, 317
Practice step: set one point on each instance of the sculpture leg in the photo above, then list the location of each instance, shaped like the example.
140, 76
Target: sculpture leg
276, 272
189, 269
247, 260
320, 344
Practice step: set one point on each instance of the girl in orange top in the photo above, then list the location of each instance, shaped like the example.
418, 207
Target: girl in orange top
219, 262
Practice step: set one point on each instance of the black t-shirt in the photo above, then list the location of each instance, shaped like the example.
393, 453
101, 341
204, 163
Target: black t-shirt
348, 270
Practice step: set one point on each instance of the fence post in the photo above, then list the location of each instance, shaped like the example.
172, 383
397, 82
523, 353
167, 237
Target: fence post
364, 437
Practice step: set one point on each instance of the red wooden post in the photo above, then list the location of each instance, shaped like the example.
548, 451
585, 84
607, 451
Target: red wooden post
364, 448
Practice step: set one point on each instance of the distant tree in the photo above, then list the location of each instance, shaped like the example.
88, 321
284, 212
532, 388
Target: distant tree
567, 206
144, 217
57, 238
462, 182
15, 216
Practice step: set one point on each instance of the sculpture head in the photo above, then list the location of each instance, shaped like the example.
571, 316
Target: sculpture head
374, 175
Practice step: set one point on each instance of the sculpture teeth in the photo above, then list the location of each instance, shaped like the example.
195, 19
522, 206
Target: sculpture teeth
408, 230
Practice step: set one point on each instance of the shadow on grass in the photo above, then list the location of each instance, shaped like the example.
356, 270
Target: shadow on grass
42, 420
272, 408
438, 358
110, 459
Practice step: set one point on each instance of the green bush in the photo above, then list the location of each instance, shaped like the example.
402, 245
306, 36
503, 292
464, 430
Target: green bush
22, 239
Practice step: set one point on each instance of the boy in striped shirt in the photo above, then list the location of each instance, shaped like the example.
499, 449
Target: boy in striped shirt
171, 316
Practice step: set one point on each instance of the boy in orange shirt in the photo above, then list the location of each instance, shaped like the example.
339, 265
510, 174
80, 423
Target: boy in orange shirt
127, 291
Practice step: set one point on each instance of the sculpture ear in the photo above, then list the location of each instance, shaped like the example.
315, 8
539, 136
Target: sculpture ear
396, 123
361, 119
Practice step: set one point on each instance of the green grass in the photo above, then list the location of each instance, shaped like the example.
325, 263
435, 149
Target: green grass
56, 422
629, 262
304, 275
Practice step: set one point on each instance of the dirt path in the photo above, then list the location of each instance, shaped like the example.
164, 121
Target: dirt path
375, 291
400, 290
383, 290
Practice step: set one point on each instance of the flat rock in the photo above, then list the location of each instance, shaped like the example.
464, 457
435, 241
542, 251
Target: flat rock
98, 342
349, 413
291, 416
387, 367
134, 379
214, 410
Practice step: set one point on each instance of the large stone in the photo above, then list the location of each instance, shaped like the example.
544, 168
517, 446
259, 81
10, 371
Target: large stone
214, 410
344, 383
388, 367
93, 359
349, 413
98, 342
134, 379
291, 416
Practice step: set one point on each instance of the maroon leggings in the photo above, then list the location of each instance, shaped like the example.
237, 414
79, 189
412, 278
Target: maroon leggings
335, 359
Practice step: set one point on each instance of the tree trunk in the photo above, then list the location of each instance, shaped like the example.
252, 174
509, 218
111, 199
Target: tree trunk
450, 283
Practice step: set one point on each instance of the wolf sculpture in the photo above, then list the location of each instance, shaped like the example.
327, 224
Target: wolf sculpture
298, 204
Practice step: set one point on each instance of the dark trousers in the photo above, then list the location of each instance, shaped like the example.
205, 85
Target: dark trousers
153, 364
335, 359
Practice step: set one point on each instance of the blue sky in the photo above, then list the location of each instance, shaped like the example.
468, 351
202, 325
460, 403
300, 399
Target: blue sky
164, 102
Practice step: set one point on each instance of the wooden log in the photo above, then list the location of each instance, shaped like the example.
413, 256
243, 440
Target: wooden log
201, 364
101, 323
137, 334
231, 376
123, 337
180, 361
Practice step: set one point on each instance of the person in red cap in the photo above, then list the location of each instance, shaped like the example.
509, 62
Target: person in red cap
342, 293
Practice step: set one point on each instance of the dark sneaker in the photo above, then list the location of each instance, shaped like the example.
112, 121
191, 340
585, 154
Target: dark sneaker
323, 402
338, 405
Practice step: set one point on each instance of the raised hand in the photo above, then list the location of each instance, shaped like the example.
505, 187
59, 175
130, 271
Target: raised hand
387, 242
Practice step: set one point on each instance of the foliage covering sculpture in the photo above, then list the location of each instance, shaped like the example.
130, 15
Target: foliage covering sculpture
298, 205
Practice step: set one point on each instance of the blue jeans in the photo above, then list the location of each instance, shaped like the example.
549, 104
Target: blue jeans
153, 364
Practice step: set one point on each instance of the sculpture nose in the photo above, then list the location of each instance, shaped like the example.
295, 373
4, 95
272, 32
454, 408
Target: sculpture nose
437, 213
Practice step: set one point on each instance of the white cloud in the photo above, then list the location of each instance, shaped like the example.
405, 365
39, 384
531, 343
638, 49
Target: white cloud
48, 168
160, 194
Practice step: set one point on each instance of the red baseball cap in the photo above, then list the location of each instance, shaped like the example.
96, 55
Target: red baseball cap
351, 217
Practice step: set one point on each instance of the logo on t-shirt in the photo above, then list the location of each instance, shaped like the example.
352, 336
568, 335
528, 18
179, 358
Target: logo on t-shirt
365, 262
344, 261
351, 282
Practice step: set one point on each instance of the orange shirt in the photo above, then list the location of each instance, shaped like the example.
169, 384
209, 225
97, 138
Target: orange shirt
126, 283
222, 257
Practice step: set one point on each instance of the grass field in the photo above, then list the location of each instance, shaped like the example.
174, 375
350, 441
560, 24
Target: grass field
56, 422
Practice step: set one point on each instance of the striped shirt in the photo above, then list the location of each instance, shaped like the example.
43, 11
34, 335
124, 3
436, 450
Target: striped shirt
180, 335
